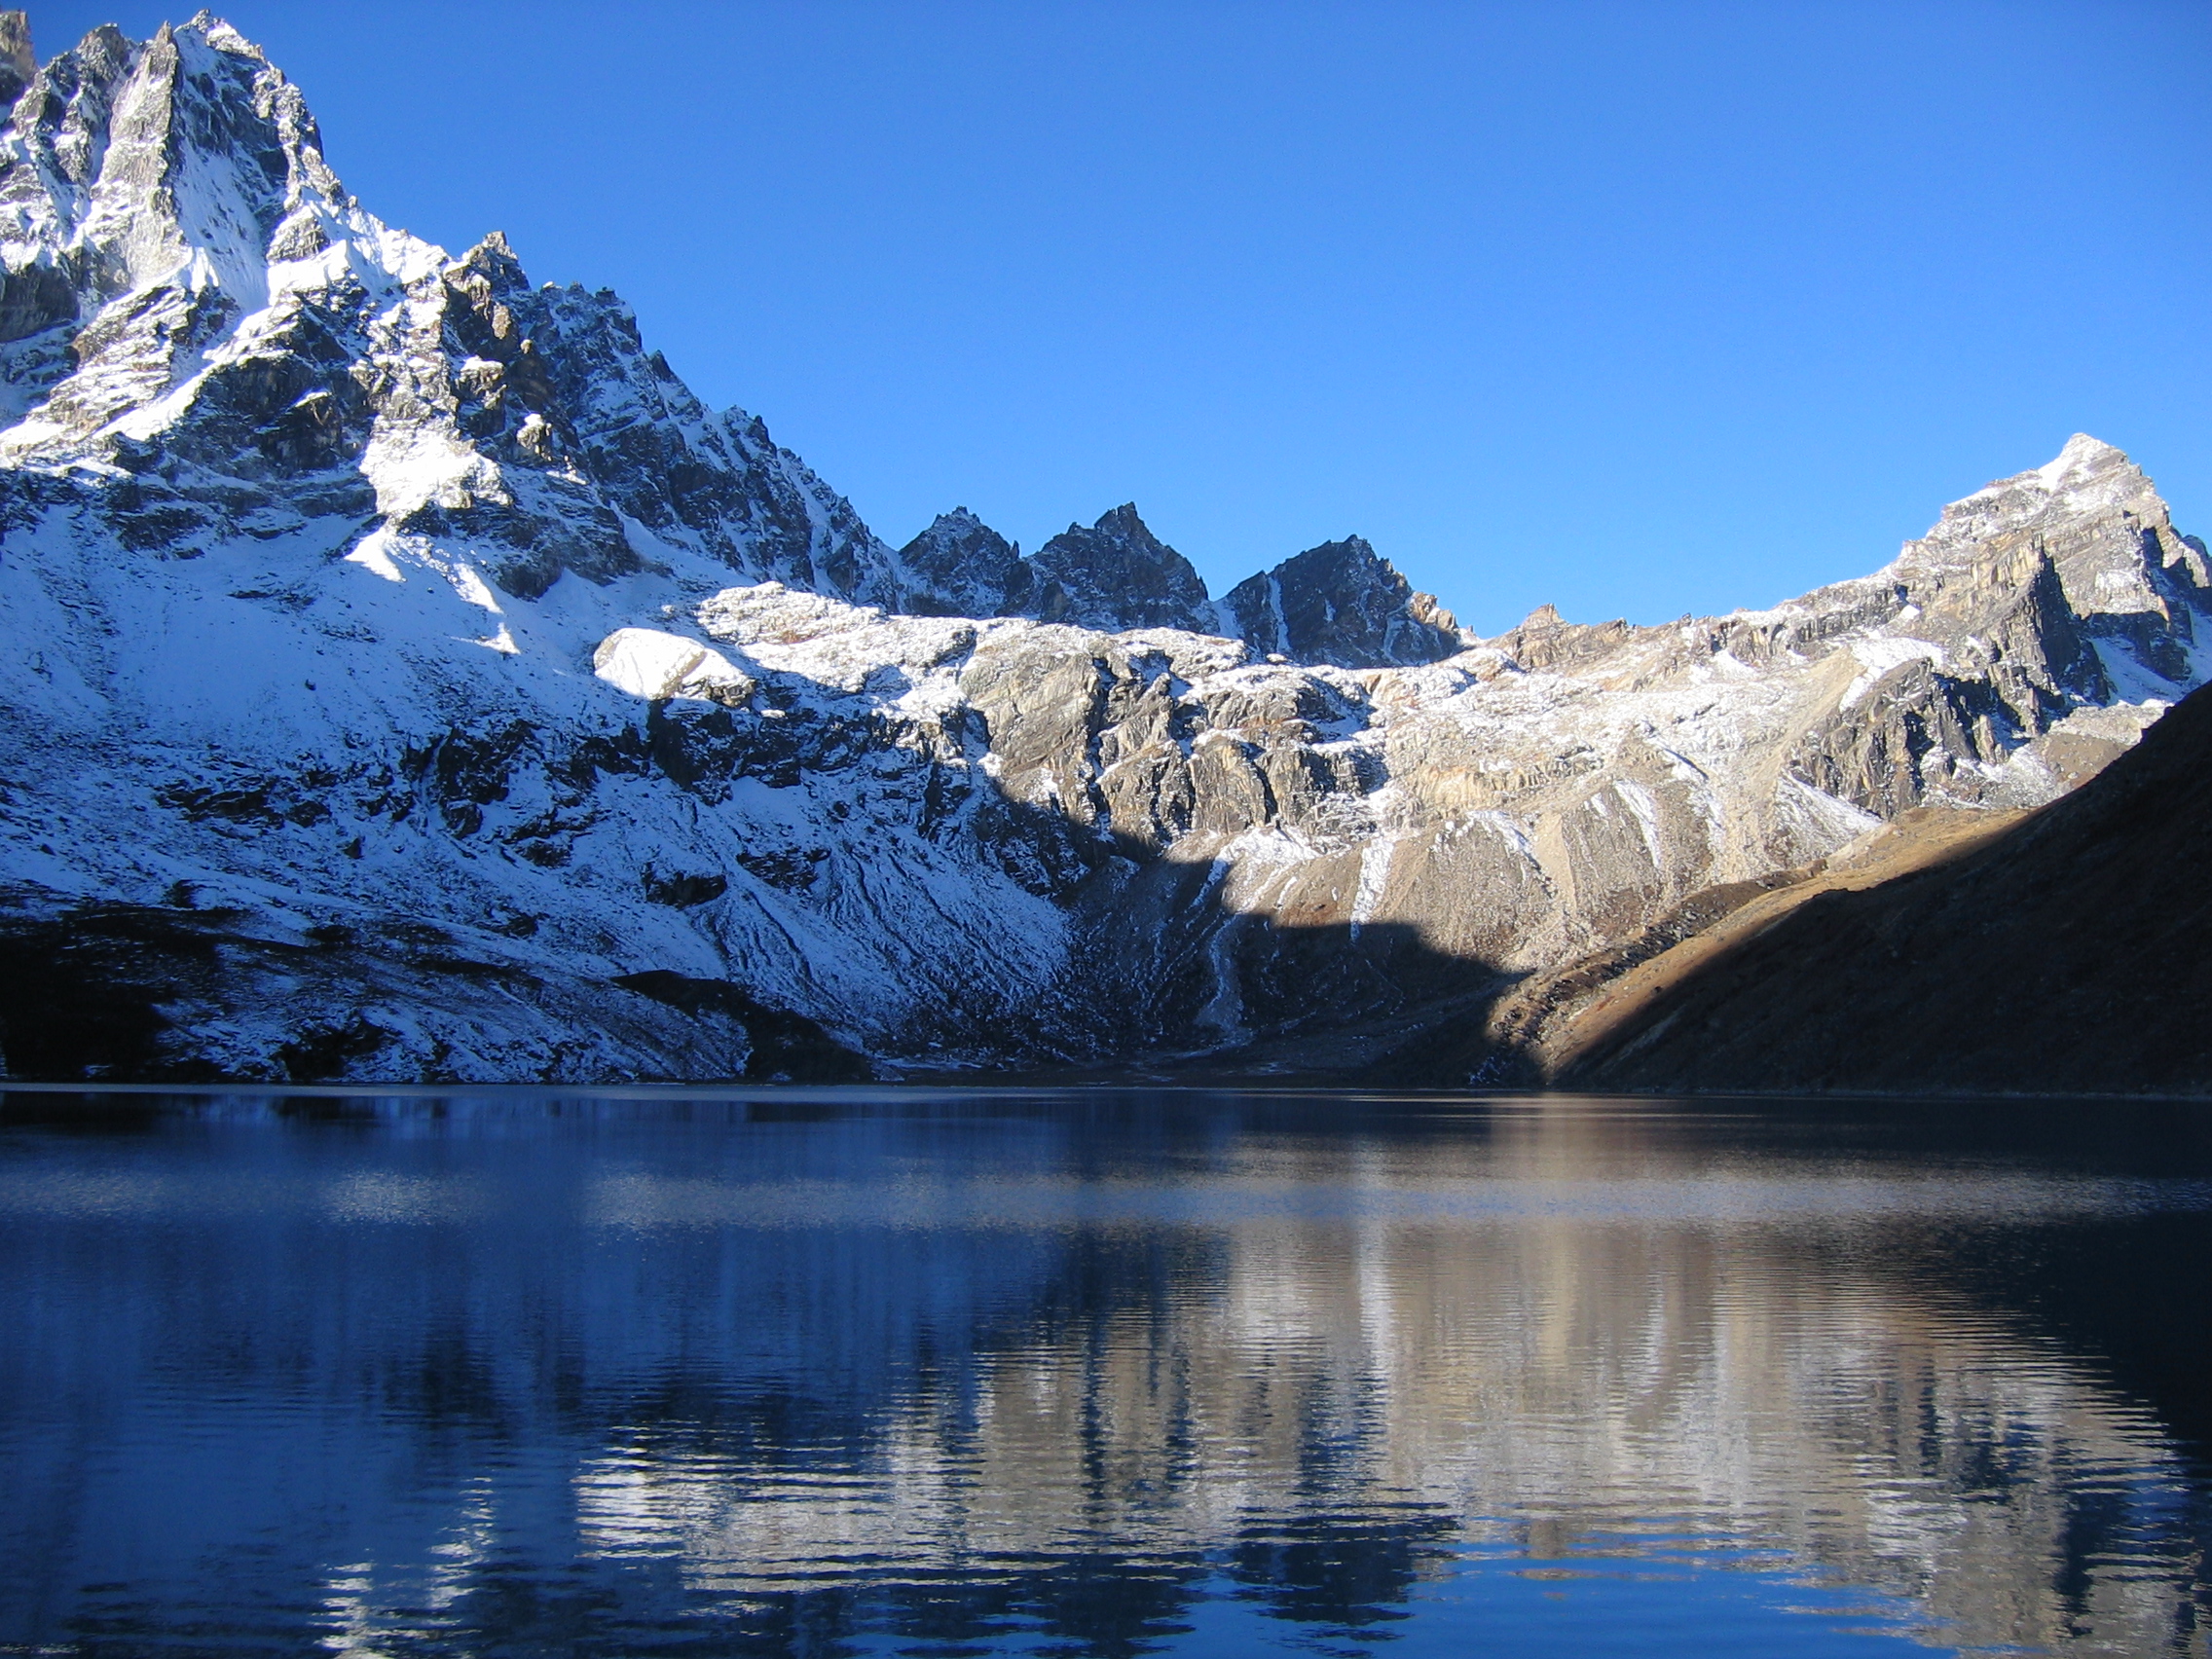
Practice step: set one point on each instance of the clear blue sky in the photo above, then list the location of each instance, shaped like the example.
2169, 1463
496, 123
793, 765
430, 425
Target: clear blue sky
1642, 308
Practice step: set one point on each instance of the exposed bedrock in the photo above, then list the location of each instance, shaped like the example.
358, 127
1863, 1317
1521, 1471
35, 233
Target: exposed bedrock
1340, 603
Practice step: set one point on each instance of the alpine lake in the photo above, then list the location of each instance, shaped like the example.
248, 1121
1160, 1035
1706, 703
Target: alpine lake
885, 1371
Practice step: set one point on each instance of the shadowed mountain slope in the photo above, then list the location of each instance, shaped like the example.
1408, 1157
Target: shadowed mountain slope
2065, 952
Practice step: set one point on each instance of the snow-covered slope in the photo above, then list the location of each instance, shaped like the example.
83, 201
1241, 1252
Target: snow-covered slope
406, 675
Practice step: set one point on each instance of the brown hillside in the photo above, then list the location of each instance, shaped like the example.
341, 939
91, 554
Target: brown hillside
2071, 951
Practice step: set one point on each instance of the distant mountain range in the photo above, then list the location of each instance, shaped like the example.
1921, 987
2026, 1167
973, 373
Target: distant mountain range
408, 677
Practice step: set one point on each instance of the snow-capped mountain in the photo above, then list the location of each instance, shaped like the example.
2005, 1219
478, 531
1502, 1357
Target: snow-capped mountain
408, 676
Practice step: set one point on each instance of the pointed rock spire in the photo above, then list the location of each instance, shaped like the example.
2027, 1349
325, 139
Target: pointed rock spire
1340, 603
961, 567
1116, 574
2098, 520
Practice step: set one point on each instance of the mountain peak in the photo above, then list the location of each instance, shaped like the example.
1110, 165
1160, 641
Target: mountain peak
2098, 520
185, 163
1340, 603
2084, 461
961, 567
2083, 456
189, 295
1115, 575
495, 261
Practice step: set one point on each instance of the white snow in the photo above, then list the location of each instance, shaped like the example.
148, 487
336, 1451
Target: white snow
1374, 877
304, 711
646, 663
1878, 656
1643, 809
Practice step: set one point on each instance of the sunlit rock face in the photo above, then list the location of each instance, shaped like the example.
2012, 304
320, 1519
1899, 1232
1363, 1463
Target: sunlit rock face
406, 669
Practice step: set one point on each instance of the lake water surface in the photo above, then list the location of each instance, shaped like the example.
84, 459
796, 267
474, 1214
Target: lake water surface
1101, 1374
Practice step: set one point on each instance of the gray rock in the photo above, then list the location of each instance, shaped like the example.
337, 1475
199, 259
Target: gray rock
1115, 575
18, 63
961, 567
1340, 603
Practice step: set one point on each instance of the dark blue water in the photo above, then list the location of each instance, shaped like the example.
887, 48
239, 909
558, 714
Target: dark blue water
1101, 1375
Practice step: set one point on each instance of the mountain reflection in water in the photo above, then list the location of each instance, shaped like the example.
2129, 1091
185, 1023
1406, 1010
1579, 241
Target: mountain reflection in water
1099, 1374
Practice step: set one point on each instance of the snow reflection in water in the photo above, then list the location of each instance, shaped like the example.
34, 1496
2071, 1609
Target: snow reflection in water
1211, 1374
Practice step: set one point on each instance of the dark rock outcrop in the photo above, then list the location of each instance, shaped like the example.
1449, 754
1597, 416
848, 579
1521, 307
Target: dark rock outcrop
1340, 603
961, 567
1113, 576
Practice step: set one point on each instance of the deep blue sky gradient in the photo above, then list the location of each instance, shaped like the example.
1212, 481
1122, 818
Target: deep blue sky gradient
1640, 307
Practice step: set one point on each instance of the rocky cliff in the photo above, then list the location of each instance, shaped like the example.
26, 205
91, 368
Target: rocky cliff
408, 676
1339, 603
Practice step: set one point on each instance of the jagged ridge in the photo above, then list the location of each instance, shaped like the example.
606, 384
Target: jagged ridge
450, 679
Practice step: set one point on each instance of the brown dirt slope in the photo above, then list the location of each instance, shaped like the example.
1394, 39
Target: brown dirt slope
2069, 952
